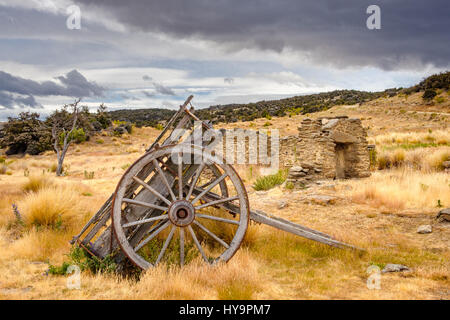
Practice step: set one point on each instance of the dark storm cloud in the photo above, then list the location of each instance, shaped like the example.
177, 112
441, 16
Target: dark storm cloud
413, 33
9, 101
17, 91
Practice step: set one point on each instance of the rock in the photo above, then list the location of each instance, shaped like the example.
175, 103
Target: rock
261, 192
305, 170
295, 169
330, 124
297, 174
282, 204
322, 199
317, 170
426, 228
341, 137
444, 215
391, 267
446, 164
307, 165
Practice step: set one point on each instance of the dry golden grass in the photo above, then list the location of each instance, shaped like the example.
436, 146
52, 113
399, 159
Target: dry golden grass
432, 136
425, 159
53, 207
403, 188
270, 264
41, 245
38, 182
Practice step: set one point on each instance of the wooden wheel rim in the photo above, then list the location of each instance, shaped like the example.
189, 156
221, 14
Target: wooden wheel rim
134, 169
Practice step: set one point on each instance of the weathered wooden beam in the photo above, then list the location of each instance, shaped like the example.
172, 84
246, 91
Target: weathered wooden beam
280, 223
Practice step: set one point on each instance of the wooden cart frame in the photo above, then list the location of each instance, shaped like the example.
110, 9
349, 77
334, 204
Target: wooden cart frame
161, 193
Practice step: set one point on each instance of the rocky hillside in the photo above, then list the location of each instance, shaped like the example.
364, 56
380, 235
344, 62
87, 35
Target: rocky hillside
289, 106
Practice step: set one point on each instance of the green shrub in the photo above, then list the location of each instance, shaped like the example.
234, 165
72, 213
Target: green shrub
81, 258
429, 94
77, 136
289, 185
270, 181
58, 270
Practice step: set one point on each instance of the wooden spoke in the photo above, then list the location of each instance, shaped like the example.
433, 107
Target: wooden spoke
213, 203
199, 215
180, 176
212, 185
207, 183
156, 193
164, 178
223, 243
154, 234
166, 244
194, 181
144, 204
135, 223
199, 247
182, 246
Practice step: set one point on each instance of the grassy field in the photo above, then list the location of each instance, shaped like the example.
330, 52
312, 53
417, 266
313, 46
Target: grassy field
380, 213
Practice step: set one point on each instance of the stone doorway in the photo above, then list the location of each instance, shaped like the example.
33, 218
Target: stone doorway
340, 154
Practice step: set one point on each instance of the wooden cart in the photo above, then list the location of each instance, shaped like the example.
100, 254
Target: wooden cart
162, 197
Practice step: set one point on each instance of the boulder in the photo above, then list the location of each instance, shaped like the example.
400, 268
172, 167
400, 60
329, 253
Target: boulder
391, 267
444, 215
426, 228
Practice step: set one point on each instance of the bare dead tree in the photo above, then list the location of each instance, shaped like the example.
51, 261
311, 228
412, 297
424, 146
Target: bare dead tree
58, 129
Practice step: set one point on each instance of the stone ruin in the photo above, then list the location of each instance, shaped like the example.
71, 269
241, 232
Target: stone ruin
326, 148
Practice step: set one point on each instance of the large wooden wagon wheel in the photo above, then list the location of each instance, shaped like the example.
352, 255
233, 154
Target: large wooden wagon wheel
186, 207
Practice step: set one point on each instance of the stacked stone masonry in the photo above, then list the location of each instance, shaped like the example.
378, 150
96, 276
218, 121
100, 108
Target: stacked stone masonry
326, 148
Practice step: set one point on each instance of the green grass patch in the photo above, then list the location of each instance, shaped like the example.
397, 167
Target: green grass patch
270, 181
81, 258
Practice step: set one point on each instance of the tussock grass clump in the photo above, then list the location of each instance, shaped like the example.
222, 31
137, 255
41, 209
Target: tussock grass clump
41, 244
436, 160
270, 181
53, 207
3, 168
36, 183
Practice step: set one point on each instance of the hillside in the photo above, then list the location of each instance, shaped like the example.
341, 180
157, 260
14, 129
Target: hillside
246, 112
304, 104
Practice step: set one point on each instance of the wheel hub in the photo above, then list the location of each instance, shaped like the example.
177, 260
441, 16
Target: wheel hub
181, 213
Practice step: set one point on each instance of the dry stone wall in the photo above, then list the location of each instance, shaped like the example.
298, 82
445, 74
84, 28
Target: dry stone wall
326, 148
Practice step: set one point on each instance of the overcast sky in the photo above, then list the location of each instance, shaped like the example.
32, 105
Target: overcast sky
154, 53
